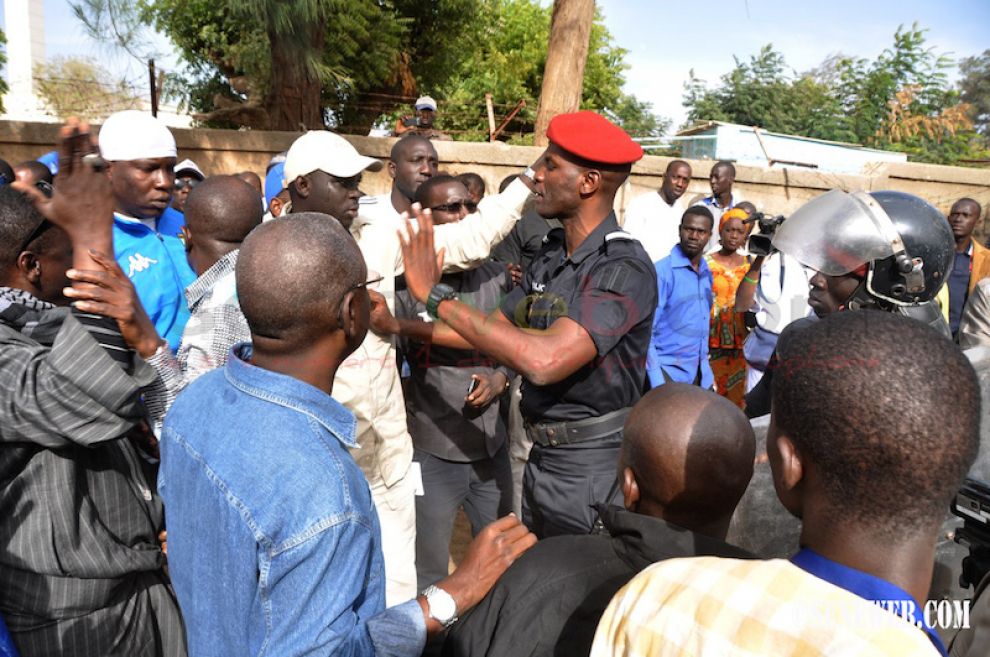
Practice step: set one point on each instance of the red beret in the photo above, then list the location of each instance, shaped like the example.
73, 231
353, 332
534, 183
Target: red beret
592, 137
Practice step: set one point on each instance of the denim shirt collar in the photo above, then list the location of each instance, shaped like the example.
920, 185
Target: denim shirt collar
291, 393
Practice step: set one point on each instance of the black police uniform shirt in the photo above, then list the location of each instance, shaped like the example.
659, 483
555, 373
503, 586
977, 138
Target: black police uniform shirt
609, 287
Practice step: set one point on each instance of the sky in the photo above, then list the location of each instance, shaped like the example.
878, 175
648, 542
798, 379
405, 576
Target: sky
667, 39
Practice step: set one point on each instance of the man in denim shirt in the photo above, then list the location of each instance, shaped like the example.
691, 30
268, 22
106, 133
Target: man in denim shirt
274, 543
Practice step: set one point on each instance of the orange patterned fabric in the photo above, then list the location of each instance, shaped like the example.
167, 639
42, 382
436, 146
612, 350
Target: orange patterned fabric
727, 331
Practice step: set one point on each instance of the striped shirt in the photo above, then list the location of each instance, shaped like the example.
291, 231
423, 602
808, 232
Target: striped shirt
715, 607
80, 563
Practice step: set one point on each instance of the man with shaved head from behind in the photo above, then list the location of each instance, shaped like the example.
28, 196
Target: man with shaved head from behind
274, 543
687, 458
875, 421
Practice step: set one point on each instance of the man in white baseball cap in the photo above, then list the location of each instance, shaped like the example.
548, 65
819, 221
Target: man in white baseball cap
323, 174
141, 154
187, 175
422, 123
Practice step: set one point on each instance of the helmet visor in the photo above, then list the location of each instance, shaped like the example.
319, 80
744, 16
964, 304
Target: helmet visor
834, 233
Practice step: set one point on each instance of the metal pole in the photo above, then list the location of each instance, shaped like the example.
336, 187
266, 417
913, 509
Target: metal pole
153, 85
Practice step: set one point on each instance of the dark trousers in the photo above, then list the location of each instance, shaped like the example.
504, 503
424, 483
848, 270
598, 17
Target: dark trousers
562, 484
483, 488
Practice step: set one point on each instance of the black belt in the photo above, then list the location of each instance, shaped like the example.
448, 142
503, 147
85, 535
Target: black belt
552, 434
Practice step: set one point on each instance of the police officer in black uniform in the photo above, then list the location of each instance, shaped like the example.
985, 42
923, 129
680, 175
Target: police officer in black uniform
577, 328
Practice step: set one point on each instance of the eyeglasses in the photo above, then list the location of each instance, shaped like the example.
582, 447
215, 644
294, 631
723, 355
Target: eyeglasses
358, 286
182, 183
470, 206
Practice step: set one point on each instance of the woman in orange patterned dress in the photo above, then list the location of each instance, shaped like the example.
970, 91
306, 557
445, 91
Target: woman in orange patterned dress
728, 330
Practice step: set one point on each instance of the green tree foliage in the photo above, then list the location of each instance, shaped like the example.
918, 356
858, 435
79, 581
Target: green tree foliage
373, 58
900, 101
975, 88
507, 60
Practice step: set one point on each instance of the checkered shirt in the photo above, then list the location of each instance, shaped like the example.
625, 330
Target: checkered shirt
714, 607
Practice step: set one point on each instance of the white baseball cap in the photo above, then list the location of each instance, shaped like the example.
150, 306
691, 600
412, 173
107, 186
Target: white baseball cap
189, 165
328, 152
425, 102
135, 135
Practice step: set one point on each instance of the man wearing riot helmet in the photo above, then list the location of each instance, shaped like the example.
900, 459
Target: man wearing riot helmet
885, 250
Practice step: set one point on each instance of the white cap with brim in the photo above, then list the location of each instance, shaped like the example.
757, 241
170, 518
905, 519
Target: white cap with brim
328, 152
134, 135
187, 166
425, 102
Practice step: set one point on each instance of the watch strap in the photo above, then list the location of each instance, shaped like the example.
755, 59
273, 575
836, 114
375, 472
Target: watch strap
443, 608
439, 292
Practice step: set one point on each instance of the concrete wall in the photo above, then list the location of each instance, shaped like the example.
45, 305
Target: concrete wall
777, 190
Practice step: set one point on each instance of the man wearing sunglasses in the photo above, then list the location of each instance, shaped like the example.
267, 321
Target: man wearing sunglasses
453, 403
187, 176
323, 173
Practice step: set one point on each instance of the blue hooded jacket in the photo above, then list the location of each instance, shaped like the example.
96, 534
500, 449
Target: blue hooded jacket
157, 266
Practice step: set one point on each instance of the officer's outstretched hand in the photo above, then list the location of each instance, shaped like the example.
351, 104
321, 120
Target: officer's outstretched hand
423, 264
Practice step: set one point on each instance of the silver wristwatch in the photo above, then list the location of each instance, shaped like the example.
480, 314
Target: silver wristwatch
443, 609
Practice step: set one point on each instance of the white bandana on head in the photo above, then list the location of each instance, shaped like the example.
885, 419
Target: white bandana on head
135, 135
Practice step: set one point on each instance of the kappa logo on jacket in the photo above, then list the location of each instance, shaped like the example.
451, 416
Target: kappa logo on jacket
139, 263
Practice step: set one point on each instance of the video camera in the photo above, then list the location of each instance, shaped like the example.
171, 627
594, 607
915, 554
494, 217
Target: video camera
760, 243
972, 504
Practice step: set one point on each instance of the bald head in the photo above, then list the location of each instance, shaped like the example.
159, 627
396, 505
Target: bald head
223, 208
253, 179
407, 143
292, 275
691, 453
220, 212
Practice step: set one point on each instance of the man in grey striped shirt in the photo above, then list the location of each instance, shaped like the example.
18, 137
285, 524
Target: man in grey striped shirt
80, 561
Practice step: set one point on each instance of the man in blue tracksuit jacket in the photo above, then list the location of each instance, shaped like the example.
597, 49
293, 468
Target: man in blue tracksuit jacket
141, 153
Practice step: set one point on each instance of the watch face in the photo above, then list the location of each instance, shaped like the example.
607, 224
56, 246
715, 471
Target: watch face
442, 605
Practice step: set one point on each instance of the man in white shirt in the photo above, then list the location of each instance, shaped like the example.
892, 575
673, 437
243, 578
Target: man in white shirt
654, 218
323, 174
412, 161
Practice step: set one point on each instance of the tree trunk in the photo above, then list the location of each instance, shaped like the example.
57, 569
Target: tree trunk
567, 52
293, 101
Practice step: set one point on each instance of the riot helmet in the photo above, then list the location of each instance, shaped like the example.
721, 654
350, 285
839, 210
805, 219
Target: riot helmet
905, 243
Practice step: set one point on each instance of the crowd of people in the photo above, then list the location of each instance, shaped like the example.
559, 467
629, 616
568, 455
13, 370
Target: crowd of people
239, 414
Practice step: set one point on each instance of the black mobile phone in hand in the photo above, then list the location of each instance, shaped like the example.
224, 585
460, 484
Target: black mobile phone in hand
473, 386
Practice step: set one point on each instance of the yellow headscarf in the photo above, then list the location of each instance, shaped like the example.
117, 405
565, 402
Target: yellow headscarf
734, 213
